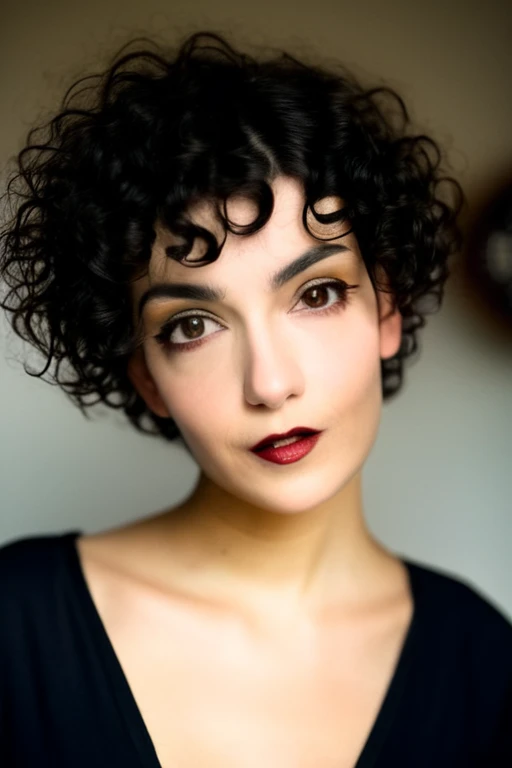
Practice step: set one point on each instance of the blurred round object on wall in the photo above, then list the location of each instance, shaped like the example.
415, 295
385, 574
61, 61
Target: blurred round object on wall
489, 255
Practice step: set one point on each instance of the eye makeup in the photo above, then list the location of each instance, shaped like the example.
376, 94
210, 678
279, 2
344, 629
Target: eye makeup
306, 260
164, 337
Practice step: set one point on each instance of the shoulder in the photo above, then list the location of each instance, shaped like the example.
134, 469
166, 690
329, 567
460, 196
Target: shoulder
453, 596
28, 567
462, 675
29, 550
466, 633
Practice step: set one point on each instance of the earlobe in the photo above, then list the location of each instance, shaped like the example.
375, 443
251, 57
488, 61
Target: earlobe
390, 322
144, 384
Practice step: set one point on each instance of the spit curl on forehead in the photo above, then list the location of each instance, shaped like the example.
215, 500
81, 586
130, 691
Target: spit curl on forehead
247, 211
327, 231
240, 210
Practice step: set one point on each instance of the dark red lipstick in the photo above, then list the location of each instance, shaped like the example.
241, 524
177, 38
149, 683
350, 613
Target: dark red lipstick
287, 454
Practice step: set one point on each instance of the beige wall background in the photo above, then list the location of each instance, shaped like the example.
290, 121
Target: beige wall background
437, 484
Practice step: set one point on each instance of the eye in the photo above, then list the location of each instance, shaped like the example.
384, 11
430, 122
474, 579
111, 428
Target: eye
189, 331
316, 295
185, 331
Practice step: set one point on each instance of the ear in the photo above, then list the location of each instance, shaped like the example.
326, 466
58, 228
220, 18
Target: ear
390, 324
143, 382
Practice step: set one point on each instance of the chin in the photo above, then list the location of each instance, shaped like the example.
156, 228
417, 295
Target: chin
296, 494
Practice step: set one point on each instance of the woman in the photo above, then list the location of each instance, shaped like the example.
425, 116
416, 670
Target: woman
238, 252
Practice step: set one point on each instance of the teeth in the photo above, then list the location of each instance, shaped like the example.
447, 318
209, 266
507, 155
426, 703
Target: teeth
287, 441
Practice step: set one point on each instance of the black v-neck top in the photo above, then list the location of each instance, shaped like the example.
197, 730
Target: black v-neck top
66, 703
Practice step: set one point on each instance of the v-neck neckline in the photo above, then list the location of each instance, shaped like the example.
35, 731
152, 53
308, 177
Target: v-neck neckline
130, 713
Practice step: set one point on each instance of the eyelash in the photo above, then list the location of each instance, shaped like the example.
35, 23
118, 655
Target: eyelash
167, 329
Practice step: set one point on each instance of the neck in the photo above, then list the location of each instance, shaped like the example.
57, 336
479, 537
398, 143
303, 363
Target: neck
271, 563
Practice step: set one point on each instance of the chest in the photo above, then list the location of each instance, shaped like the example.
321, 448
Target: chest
210, 698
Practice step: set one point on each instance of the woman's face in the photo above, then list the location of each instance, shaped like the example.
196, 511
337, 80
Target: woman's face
263, 358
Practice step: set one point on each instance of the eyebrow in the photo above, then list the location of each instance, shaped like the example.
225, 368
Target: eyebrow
198, 292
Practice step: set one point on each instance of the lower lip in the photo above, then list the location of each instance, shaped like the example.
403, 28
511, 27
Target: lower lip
287, 454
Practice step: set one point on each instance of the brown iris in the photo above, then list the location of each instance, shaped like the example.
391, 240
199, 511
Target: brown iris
193, 324
315, 292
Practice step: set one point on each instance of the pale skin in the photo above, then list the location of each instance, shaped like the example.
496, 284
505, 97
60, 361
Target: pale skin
270, 567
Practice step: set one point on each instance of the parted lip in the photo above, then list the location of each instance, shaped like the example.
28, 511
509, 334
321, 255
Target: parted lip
291, 433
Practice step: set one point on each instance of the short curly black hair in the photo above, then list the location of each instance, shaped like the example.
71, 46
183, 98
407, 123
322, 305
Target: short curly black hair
137, 144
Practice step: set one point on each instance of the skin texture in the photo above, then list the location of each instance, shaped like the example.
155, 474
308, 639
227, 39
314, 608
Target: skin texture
277, 542
260, 612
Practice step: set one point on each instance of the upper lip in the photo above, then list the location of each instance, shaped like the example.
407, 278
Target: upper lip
291, 433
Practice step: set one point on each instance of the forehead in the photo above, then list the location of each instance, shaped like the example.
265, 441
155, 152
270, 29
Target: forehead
280, 240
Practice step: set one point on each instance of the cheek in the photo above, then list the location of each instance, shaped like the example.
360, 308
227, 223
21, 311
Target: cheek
198, 401
343, 364
349, 394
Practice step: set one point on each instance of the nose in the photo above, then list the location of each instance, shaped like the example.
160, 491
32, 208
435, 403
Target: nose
272, 372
